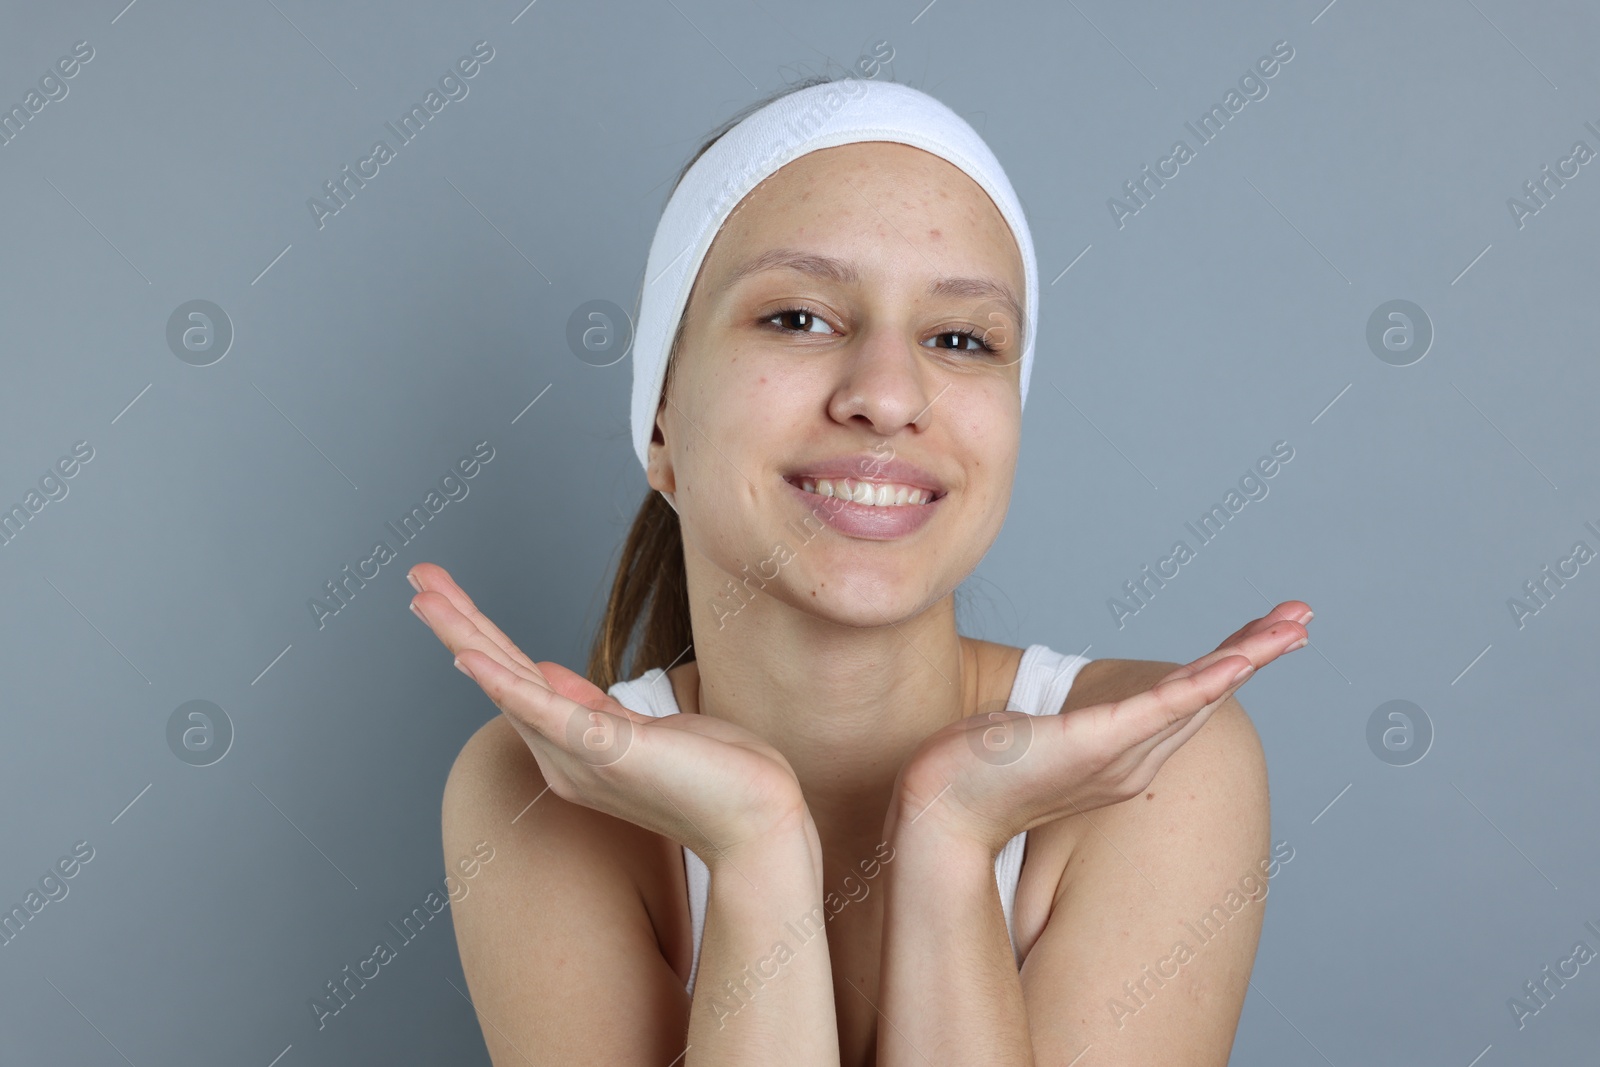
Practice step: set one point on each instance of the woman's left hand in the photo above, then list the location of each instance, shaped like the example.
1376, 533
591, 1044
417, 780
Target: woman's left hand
991, 775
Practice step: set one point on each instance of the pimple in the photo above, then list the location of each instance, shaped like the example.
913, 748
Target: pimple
935, 234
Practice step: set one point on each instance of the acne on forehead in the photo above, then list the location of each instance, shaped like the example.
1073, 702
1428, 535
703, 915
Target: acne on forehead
778, 196
871, 159
980, 223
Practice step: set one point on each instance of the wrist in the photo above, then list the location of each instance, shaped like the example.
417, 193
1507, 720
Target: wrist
936, 828
940, 864
786, 849
936, 818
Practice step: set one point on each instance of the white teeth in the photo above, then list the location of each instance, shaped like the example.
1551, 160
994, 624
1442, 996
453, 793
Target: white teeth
872, 494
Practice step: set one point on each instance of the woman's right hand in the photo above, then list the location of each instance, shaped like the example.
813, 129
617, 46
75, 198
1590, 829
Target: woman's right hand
700, 781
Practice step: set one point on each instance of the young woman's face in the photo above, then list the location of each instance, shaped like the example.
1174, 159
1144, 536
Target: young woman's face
858, 318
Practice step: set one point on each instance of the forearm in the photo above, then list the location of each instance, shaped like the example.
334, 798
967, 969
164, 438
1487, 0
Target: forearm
950, 991
764, 989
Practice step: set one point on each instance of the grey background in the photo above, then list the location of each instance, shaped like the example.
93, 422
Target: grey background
1230, 313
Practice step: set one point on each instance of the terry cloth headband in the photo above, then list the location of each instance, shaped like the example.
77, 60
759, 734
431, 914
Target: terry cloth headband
820, 116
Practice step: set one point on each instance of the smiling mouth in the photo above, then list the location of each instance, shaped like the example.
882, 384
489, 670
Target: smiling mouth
871, 494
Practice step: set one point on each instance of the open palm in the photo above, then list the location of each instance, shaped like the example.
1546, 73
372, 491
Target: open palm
700, 781
992, 775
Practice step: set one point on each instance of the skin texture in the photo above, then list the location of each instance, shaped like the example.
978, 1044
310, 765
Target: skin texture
841, 691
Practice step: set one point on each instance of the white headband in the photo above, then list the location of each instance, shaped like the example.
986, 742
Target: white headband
820, 116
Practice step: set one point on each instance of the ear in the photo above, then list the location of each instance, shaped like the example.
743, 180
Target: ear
659, 469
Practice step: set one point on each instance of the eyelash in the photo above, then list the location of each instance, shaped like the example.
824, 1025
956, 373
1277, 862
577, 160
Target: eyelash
983, 346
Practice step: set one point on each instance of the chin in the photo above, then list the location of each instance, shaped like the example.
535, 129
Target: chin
861, 591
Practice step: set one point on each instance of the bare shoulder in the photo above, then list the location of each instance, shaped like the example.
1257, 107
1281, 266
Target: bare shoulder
1135, 875
565, 922
493, 758
495, 789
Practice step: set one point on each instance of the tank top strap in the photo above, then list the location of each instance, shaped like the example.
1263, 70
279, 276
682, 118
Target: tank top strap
1044, 677
651, 694
698, 876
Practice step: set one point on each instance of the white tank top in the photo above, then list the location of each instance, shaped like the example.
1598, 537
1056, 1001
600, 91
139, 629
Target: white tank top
1043, 679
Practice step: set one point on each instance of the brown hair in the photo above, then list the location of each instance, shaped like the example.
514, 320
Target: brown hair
651, 586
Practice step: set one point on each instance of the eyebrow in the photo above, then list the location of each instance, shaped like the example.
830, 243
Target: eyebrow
837, 270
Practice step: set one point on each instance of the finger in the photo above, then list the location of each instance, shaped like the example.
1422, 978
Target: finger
1173, 737
1175, 699
1153, 754
1164, 717
460, 634
1281, 620
1184, 725
1255, 626
525, 700
1175, 740
578, 689
1290, 611
1260, 641
1188, 726
435, 579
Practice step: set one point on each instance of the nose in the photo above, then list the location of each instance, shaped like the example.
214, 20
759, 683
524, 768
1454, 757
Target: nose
883, 383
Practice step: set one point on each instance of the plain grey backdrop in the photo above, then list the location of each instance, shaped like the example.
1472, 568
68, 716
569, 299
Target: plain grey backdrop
1443, 461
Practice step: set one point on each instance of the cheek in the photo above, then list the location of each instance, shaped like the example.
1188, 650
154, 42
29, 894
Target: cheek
766, 403
991, 439
741, 414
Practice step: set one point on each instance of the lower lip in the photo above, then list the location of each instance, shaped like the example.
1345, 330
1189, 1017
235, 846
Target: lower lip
866, 521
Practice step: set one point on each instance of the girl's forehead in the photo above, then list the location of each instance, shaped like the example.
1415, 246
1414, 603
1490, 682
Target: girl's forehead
841, 173
913, 199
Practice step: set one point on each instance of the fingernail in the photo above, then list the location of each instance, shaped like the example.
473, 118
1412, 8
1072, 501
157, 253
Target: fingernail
1302, 620
419, 615
462, 669
1242, 675
1298, 644
418, 586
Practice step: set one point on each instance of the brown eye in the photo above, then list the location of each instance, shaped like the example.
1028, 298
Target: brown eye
962, 340
798, 320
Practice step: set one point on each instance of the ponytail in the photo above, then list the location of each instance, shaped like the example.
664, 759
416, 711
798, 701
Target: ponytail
650, 584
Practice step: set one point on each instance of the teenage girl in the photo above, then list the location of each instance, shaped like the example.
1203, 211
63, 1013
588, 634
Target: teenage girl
814, 824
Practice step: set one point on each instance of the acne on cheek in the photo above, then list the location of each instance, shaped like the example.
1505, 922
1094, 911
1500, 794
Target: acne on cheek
757, 392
